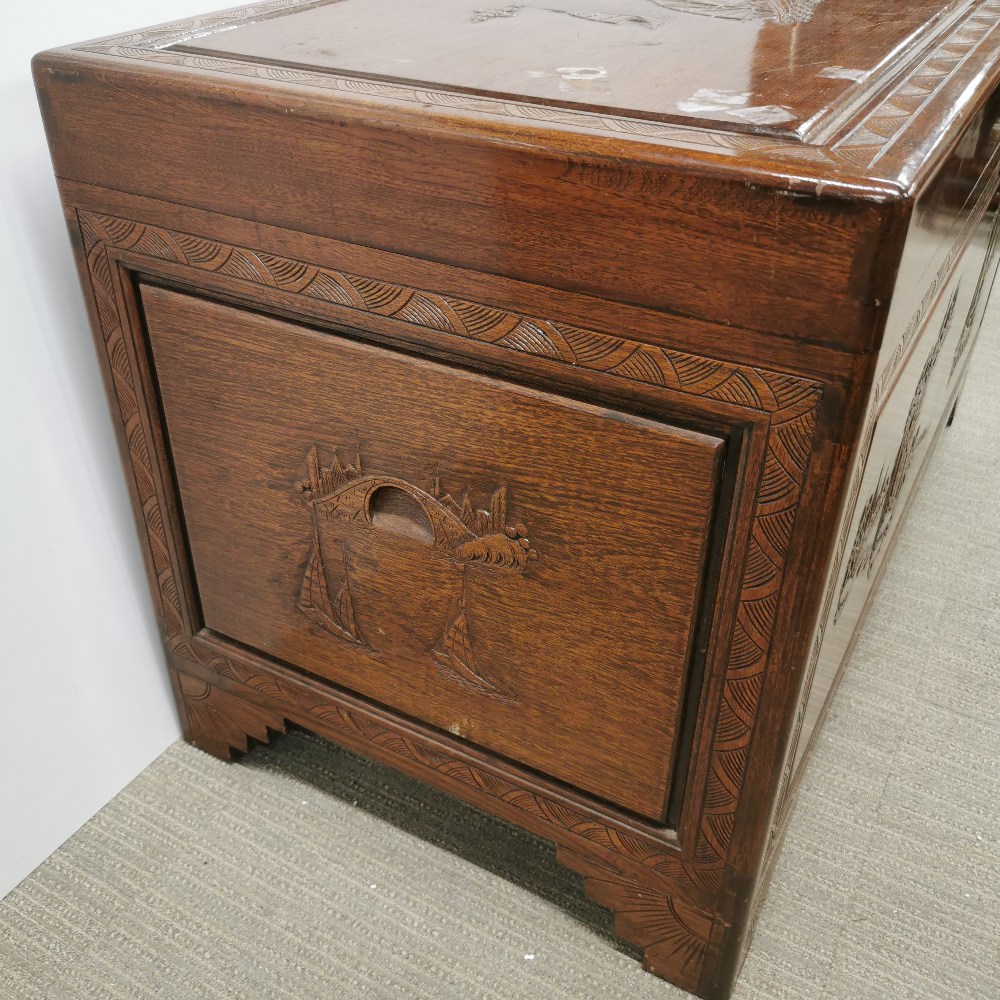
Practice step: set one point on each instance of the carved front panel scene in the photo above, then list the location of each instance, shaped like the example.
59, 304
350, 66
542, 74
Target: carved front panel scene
520, 569
380, 543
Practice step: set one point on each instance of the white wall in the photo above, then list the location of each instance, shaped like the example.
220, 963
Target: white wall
84, 699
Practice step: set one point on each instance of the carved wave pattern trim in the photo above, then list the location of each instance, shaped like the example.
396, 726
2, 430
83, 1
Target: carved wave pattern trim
124, 380
871, 139
740, 385
866, 143
790, 402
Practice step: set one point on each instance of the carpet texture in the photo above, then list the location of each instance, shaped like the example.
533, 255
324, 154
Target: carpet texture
307, 872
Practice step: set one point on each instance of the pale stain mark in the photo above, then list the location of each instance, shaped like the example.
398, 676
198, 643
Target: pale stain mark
582, 72
768, 114
730, 102
841, 73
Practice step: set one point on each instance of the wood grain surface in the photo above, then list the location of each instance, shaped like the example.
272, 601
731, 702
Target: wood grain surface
781, 66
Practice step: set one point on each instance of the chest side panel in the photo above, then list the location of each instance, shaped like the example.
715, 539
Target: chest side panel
945, 278
265, 456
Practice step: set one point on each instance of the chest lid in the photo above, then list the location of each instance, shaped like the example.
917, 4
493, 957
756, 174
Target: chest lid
790, 68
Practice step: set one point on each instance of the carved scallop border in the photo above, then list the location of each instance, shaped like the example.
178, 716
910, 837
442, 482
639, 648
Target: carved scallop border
862, 146
871, 139
791, 403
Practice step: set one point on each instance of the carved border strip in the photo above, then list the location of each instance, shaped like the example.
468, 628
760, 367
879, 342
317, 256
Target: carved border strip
674, 933
872, 138
790, 402
866, 142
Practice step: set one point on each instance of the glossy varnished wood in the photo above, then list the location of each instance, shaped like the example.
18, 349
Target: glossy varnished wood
784, 66
594, 222
686, 362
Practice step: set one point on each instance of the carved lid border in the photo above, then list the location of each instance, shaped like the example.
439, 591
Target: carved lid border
866, 142
790, 402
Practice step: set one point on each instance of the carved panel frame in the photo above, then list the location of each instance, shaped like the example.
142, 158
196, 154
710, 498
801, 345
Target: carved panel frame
683, 934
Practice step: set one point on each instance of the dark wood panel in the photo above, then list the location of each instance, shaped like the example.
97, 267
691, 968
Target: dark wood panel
947, 271
535, 284
517, 569
785, 483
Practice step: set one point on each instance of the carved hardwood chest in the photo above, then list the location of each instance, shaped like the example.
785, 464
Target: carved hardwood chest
529, 398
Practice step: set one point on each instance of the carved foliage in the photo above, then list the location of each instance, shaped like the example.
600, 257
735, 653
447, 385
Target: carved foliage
344, 494
878, 516
780, 11
790, 403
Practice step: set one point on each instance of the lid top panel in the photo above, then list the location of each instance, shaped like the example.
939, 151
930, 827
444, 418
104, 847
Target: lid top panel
782, 67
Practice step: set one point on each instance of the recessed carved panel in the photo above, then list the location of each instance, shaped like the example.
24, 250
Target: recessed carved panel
879, 514
790, 402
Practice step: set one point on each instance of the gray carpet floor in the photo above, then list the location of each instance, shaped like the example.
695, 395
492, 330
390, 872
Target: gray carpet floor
304, 871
